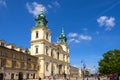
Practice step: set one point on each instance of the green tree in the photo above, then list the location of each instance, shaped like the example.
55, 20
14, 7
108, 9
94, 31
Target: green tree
110, 62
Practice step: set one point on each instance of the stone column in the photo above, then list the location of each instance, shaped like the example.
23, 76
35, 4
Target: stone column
42, 69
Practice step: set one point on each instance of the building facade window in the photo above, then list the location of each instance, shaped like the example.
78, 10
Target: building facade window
34, 67
13, 56
3, 62
21, 57
52, 54
39, 67
47, 65
13, 64
63, 57
22, 65
58, 55
36, 50
28, 65
47, 35
3, 54
37, 34
46, 50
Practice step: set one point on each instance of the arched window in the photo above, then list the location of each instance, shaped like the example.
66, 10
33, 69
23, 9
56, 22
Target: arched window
37, 34
58, 55
46, 51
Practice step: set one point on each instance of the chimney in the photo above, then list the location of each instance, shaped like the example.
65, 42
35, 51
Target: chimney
2, 43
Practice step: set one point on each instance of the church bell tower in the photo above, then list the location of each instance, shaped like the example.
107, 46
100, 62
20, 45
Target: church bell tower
39, 34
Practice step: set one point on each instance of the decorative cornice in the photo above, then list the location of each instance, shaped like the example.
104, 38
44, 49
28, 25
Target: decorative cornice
53, 59
40, 27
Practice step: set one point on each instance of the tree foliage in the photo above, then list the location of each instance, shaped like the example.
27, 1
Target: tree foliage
110, 62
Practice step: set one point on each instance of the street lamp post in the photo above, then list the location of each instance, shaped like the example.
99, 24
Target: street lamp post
84, 66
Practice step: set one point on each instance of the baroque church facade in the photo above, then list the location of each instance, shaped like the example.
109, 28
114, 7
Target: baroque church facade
53, 58
42, 60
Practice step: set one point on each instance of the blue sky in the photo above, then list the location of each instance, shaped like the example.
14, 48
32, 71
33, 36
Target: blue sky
91, 26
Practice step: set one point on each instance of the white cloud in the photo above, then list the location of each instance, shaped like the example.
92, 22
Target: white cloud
108, 22
3, 3
72, 35
35, 8
85, 37
56, 3
49, 6
74, 40
77, 38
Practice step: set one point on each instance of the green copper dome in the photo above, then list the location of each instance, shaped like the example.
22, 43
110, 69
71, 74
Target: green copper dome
62, 38
41, 20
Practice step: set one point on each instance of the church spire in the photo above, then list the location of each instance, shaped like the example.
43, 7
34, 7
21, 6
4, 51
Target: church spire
62, 38
41, 20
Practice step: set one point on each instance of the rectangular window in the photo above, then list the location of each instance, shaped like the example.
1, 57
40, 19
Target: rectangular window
36, 49
58, 55
46, 66
3, 53
22, 65
3, 62
46, 51
13, 64
34, 66
28, 66
63, 57
21, 57
37, 34
13, 56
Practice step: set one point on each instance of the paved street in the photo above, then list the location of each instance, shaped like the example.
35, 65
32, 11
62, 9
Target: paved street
92, 78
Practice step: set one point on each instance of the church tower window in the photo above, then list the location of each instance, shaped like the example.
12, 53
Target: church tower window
52, 54
37, 34
36, 49
58, 55
47, 35
46, 51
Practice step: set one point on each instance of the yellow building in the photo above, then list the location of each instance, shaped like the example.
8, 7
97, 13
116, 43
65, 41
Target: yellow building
45, 59
53, 58
75, 72
16, 63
